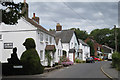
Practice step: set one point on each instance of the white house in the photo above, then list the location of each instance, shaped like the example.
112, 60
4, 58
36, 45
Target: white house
84, 50
14, 35
69, 41
59, 51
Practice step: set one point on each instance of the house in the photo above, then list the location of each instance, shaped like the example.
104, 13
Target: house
97, 46
59, 52
83, 51
107, 50
14, 35
69, 41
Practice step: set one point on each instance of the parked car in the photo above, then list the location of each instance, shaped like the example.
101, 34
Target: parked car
96, 59
89, 60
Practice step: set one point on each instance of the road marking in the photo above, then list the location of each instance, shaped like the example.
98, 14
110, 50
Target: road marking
106, 73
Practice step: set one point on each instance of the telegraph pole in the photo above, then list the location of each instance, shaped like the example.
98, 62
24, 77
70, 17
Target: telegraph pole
115, 32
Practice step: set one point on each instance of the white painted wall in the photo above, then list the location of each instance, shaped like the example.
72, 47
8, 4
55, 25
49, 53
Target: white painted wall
74, 44
17, 35
66, 48
59, 51
86, 50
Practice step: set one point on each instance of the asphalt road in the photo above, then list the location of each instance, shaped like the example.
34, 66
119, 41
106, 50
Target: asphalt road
77, 71
83, 70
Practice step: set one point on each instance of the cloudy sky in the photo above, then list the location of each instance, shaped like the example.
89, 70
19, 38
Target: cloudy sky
87, 15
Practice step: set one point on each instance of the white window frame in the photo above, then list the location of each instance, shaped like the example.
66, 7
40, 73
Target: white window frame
41, 37
41, 55
46, 38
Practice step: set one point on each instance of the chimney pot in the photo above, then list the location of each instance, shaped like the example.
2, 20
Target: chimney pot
58, 27
24, 1
34, 15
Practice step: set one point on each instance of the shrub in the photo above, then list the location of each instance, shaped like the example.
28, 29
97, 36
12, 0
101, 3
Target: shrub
65, 61
30, 58
116, 60
77, 60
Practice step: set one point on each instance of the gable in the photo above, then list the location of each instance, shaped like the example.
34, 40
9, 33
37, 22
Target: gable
22, 25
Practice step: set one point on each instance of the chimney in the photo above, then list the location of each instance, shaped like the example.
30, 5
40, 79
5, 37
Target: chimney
58, 27
25, 9
36, 19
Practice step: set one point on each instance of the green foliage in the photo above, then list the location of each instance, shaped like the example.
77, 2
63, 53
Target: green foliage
80, 34
92, 51
49, 57
51, 29
79, 61
14, 14
63, 59
106, 36
29, 43
30, 58
116, 60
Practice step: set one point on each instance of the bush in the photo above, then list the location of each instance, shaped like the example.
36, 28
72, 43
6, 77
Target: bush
77, 60
65, 61
30, 58
116, 60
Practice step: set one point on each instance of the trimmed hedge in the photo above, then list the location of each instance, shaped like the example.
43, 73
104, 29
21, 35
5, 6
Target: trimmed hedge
116, 60
30, 58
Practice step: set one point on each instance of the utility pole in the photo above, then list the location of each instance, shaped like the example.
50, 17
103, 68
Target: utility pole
115, 32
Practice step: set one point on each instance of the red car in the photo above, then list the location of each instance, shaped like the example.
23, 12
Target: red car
96, 59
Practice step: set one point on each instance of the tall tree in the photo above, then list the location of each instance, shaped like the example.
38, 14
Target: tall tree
80, 34
12, 13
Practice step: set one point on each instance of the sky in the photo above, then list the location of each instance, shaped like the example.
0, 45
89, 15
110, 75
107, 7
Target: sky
86, 15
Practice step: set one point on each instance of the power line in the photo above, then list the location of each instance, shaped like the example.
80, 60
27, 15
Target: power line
75, 12
96, 8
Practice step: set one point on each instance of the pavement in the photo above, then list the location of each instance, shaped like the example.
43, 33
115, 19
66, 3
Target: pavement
110, 71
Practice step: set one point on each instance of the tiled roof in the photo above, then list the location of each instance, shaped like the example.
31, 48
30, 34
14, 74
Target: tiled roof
65, 35
50, 47
82, 42
38, 26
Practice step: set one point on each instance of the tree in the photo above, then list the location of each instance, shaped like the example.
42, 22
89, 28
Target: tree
92, 51
80, 34
51, 29
12, 13
106, 37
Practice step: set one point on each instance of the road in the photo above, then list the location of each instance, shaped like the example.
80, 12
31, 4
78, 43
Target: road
83, 70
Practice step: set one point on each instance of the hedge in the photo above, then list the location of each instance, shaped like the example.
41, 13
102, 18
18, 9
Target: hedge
116, 60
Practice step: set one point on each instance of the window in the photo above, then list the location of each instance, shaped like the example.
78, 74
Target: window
46, 38
75, 44
41, 54
50, 40
41, 37
0, 36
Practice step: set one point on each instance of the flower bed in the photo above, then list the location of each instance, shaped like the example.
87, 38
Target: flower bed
65, 61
